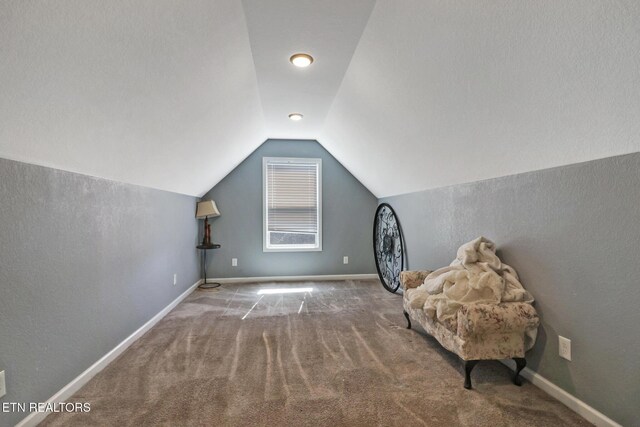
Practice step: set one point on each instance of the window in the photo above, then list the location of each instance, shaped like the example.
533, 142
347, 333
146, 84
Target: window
292, 207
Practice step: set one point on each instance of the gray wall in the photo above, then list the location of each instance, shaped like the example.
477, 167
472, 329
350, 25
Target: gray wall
572, 233
347, 211
84, 262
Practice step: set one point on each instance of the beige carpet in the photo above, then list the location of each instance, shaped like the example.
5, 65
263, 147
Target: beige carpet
336, 356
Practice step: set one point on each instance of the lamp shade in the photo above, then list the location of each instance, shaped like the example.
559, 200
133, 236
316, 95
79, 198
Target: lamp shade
207, 208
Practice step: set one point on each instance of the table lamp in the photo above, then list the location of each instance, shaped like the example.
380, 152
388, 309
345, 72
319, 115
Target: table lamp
206, 209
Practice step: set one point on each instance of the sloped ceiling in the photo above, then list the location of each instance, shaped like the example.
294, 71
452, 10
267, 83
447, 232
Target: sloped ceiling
407, 95
329, 30
160, 93
446, 92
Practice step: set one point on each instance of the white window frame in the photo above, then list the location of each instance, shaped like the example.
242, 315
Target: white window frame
290, 248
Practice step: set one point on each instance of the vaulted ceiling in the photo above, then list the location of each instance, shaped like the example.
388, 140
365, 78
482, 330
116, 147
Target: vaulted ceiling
407, 95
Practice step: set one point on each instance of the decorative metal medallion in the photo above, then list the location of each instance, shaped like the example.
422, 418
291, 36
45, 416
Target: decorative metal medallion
388, 247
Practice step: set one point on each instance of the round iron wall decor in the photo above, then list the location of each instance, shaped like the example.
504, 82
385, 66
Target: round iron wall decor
388, 248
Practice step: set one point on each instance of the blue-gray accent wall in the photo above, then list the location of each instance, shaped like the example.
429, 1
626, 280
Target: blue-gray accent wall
84, 262
347, 218
572, 233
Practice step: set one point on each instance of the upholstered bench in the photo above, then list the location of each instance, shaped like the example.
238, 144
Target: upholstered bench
480, 332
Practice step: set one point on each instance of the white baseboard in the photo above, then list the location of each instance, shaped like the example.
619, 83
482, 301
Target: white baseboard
319, 278
67, 391
590, 414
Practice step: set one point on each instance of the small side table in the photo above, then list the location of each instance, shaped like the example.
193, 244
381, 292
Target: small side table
204, 249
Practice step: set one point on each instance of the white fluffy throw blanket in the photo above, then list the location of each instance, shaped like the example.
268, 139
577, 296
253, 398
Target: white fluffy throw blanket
476, 276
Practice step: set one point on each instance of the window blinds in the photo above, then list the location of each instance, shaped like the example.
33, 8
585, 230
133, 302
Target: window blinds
292, 196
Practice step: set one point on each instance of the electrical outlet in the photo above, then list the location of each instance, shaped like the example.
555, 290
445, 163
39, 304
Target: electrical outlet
3, 387
234, 262
564, 345
175, 279
345, 260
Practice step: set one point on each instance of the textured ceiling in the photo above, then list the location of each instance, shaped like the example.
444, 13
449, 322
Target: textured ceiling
447, 92
407, 95
160, 93
329, 30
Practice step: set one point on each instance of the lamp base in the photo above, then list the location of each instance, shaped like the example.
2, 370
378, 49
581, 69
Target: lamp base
206, 239
210, 285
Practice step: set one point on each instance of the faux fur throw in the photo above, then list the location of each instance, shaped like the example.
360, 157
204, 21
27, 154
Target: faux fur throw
476, 276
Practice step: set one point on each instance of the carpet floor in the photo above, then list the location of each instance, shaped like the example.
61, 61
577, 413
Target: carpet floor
335, 355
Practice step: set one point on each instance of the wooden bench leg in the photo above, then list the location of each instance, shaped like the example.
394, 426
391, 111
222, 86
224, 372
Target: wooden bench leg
408, 319
521, 362
468, 367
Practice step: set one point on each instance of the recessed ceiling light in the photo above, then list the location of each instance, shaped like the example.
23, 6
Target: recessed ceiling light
301, 60
295, 116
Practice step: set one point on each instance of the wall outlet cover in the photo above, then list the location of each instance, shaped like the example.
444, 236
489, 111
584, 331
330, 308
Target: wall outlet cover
175, 279
564, 346
234, 262
345, 260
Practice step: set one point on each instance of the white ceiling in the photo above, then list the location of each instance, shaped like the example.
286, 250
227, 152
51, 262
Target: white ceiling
160, 93
446, 92
407, 95
329, 30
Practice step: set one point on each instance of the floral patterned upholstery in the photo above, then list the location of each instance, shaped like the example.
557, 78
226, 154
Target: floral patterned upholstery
412, 279
483, 331
482, 319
